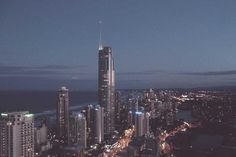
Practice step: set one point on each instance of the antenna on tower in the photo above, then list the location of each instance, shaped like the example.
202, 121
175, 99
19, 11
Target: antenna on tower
100, 35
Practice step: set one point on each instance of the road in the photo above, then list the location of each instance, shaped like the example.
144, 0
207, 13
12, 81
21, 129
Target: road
121, 144
164, 146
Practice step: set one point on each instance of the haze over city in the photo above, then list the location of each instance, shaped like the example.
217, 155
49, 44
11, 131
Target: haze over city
163, 44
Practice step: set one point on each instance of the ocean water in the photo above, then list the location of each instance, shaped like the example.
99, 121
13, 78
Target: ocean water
39, 101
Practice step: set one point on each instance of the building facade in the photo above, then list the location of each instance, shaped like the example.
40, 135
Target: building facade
63, 115
106, 87
41, 134
17, 134
97, 124
117, 108
141, 123
78, 130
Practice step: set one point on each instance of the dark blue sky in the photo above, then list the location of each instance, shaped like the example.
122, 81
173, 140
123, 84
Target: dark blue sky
156, 43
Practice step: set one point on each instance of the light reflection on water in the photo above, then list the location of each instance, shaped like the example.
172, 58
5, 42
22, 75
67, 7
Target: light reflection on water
202, 141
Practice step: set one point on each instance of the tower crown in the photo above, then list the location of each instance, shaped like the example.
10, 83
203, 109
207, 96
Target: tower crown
100, 36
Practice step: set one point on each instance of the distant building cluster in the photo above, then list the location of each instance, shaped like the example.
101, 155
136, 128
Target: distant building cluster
78, 130
74, 130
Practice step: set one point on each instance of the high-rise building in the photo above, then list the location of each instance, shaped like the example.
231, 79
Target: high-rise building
117, 108
146, 122
41, 142
130, 118
88, 116
97, 124
17, 134
41, 133
106, 87
63, 115
141, 123
78, 130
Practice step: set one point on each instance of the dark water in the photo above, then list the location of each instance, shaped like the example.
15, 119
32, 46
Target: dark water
202, 141
38, 101
207, 141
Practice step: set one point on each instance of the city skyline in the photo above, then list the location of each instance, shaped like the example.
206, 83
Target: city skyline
109, 78
171, 44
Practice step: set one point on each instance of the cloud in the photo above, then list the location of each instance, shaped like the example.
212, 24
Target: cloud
212, 73
60, 67
48, 70
143, 73
156, 72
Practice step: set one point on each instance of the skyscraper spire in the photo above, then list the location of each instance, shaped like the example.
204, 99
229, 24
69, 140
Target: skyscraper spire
100, 35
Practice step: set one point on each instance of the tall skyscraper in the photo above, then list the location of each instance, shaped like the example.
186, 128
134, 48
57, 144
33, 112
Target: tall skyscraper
78, 130
63, 115
17, 134
97, 124
106, 87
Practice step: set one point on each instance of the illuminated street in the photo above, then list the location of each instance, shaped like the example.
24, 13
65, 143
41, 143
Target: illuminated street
165, 148
122, 143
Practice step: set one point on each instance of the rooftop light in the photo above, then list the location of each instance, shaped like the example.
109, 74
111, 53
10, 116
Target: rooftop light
4, 114
29, 115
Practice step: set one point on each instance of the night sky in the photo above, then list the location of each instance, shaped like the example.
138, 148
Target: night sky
156, 43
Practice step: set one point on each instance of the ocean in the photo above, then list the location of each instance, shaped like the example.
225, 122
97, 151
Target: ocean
39, 101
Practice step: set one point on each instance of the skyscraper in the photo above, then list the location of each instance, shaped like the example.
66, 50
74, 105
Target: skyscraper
97, 124
78, 130
106, 87
17, 134
63, 115
141, 123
